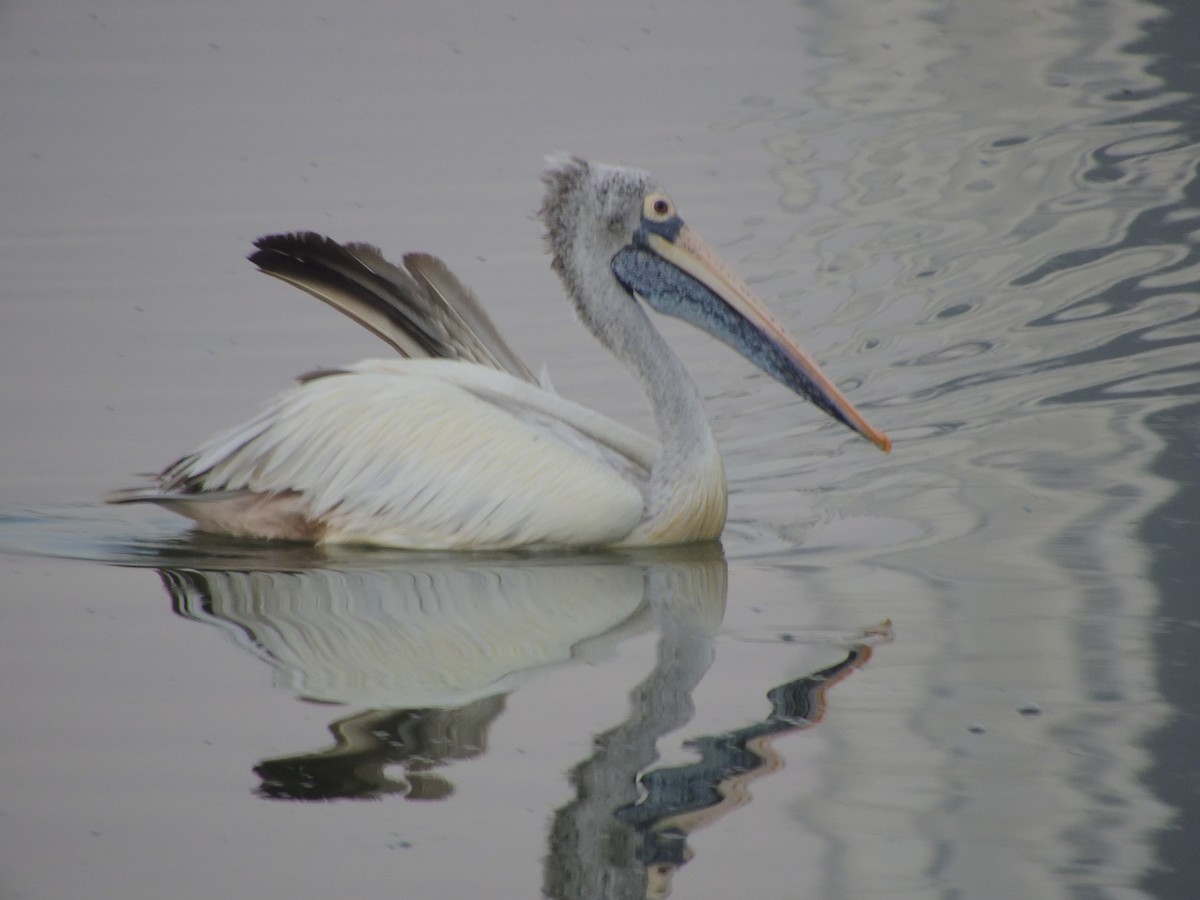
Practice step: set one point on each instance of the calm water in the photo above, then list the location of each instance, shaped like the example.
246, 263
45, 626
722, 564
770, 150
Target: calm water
981, 217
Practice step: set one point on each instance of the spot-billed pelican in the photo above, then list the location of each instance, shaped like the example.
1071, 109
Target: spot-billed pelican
458, 445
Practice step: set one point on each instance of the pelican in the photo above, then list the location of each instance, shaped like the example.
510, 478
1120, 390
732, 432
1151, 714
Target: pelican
457, 445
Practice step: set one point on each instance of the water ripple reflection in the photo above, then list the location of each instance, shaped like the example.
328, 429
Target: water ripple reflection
971, 279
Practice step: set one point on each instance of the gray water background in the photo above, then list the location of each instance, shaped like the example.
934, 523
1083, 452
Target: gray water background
982, 219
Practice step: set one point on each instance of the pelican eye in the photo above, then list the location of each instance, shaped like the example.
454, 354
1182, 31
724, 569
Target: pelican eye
657, 208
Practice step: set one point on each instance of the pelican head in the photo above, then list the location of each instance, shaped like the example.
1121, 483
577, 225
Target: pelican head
616, 225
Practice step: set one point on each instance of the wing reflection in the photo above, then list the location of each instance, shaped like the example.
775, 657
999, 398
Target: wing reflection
370, 747
440, 633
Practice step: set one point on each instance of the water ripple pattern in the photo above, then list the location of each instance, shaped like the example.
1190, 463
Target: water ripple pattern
1017, 275
1006, 273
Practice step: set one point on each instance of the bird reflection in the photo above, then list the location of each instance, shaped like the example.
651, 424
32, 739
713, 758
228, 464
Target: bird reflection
428, 649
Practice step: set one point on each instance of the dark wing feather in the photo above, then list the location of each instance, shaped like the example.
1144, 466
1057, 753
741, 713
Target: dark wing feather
422, 312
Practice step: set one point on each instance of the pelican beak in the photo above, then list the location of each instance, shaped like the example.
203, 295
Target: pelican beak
678, 274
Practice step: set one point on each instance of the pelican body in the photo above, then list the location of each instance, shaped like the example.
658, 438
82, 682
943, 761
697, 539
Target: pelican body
456, 444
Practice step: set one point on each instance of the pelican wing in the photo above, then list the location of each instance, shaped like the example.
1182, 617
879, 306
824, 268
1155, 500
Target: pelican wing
398, 453
423, 312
